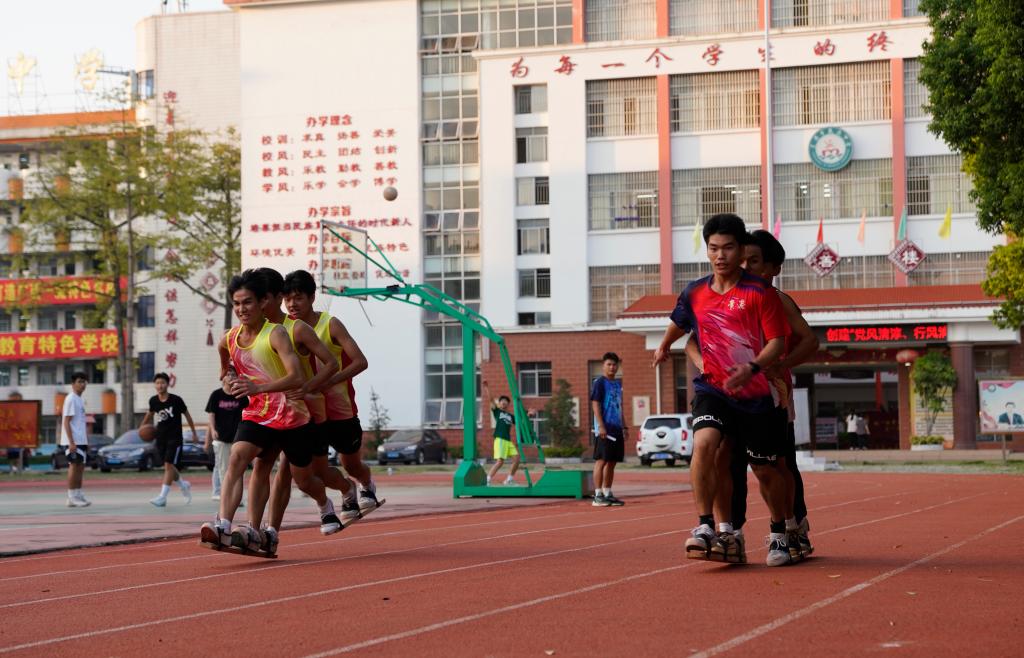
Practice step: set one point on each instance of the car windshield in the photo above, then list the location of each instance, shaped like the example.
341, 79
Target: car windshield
128, 438
656, 422
187, 434
403, 436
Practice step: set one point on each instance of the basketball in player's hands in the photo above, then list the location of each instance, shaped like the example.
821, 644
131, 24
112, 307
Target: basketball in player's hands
147, 432
390, 194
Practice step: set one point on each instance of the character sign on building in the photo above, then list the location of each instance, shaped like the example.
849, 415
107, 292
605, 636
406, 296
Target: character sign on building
822, 259
907, 256
830, 148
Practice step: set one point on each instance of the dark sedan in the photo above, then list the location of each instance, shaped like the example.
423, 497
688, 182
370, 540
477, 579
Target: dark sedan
96, 441
413, 447
130, 451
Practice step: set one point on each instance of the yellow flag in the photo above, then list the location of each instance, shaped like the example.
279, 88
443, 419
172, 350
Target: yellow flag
947, 224
698, 237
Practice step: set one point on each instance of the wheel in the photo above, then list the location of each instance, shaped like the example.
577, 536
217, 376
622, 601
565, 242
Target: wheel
53, 462
670, 463
644, 461
687, 460
419, 457
382, 462
443, 459
145, 465
104, 469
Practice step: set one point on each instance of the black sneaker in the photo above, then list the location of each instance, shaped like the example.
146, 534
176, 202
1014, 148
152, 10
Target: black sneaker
728, 547
613, 501
600, 501
350, 512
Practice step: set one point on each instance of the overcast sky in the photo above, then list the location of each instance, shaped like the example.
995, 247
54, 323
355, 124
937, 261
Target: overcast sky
56, 32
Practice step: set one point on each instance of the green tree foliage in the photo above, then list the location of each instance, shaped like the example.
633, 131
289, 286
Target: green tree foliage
934, 379
561, 422
379, 419
973, 67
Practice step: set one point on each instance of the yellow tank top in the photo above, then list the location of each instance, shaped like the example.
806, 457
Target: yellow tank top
261, 363
314, 401
340, 398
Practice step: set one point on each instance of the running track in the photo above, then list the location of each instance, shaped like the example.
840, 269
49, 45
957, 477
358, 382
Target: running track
922, 565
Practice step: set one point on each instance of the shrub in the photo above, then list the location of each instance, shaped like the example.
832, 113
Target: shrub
563, 451
927, 440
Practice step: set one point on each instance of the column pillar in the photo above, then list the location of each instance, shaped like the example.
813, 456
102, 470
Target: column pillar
579, 21
965, 397
903, 384
899, 154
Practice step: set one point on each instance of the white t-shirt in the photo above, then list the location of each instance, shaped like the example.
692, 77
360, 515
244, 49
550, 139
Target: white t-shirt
851, 424
74, 407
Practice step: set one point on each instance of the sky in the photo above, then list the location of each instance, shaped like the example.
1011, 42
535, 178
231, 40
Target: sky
57, 32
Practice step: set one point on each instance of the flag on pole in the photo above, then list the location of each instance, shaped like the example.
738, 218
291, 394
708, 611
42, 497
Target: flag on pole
777, 228
697, 237
821, 230
947, 224
901, 233
863, 224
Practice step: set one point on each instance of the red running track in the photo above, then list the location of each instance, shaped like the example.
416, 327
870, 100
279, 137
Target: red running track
923, 564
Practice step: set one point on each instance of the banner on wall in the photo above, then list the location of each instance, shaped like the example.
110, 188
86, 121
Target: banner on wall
82, 344
19, 423
1001, 404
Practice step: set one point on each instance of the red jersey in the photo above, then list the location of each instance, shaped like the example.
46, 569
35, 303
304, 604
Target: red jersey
732, 329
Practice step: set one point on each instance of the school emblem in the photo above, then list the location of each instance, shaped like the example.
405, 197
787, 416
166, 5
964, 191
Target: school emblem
831, 148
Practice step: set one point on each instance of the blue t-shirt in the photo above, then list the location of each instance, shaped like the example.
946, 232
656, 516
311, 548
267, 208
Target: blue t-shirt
608, 393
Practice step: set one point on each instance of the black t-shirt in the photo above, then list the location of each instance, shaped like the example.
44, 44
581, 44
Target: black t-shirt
167, 416
227, 413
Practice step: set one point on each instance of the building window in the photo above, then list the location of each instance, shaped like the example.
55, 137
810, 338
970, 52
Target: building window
535, 379
534, 319
535, 283
531, 145
840, 93
5, 375
684, 273
533, 237
70, 320
69, 267
714, 101
912, 8
852, 272
695, 17
147, 367
22, 375
623, 201
991, 362
47, 267
455, 26
46, 320
950, 269
449, 114
621, 107
614, 288
147, 256
532, 191
936, 183
916, 93
539, 425
6, 321
804, 13
145, 311
145, 85
531, 99
615, 20
697, 194
804, 193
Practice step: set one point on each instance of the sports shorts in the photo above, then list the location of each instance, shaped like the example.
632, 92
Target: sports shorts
504, 449
169, 451
78, 456
762, 435
345, 436
296, 443
612, 448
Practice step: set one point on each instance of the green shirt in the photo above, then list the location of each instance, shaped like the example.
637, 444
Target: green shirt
503, 422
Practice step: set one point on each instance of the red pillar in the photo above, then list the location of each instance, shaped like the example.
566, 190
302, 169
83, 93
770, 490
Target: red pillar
899, 154
965, 397
903, 396
579, 21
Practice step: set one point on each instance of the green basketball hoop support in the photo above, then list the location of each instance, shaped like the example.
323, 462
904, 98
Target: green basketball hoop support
470, 477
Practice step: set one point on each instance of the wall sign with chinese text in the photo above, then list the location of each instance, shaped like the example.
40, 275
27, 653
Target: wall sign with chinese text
822, 259
886, 333
831, 148
19, 423
26, 345
906, 256
51, 291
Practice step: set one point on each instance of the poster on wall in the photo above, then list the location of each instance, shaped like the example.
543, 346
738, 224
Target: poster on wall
19, 423
1001, 404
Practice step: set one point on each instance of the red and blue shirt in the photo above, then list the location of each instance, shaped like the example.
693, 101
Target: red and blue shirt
731, 329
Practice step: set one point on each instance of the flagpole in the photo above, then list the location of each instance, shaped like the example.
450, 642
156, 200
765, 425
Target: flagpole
769, 161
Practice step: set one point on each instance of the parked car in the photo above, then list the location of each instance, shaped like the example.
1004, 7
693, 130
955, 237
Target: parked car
193, 454
665, 437
130, 451
413, 446
59, 460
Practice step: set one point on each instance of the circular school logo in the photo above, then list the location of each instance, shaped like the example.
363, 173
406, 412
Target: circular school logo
831, 148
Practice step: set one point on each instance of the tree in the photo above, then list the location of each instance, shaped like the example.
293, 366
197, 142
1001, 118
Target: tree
934, 379
973, 67
562, 422
209, 222
379, 418
94, 188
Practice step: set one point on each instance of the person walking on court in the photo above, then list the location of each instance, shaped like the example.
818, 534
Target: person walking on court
225, 413
504, 448
166, 410
863, 432
609, 435
74, 440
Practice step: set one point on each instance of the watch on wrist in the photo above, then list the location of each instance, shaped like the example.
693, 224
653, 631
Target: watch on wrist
754, 368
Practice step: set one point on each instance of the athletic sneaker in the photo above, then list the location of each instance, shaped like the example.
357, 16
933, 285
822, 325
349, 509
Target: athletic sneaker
778, 551
729, 547
186, 491
270, 540
78, 501
215, 497
600, 501
367, 501
510, 480
803, 539
159, 501
350, 510
212, 534
613, 501
247, 538
699, 544
329, 521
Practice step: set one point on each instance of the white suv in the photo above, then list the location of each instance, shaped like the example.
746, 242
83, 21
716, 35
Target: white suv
666, 437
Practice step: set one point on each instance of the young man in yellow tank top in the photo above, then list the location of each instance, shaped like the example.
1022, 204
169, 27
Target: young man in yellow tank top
343, 431
258, 361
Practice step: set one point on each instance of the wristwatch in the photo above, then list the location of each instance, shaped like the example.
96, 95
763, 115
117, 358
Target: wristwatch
754, 368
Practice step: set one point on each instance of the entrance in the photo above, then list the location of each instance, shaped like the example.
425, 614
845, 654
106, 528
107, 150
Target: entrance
835, 392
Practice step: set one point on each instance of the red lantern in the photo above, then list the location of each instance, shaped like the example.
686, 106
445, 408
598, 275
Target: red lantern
906, 357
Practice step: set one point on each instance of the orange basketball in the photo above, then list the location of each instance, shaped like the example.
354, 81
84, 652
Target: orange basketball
147, 432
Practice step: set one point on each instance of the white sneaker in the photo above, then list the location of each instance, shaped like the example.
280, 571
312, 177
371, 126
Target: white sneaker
186, 491
215, 497
159, 501
510, 480
78, 502
778, 550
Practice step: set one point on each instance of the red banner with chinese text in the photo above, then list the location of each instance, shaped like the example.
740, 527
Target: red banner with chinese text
50, 291
86, 343
19, 423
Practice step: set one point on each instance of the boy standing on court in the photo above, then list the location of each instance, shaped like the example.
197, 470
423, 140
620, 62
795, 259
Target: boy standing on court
503, 446
225, 413
166, 410
609, 437
74, 440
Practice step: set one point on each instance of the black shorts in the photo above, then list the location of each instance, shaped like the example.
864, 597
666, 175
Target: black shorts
169, 451
345, 436
297, 443
611, 449
78, 456
761, 435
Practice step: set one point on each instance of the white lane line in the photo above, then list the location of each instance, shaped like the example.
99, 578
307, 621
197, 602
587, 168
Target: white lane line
552, 597
335, 590
846, 593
